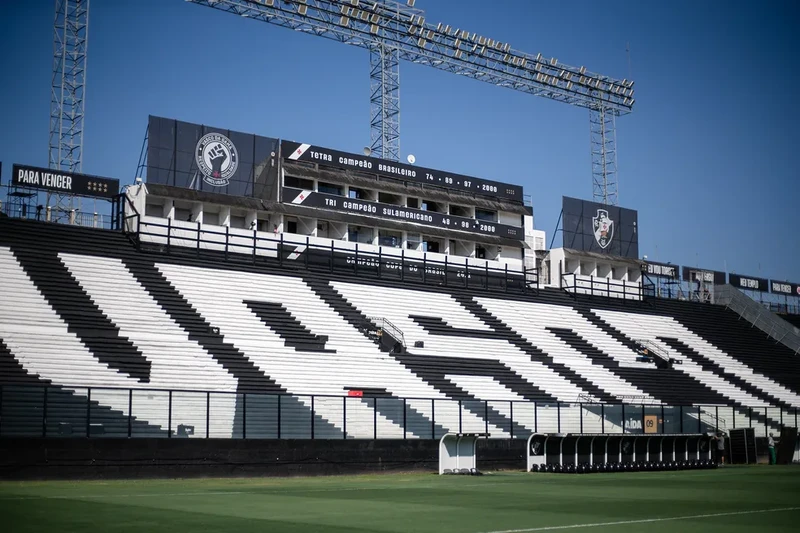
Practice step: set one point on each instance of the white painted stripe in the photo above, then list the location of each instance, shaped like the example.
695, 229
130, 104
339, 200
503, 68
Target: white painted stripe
299, 152
297, 251
644, 520
301, 197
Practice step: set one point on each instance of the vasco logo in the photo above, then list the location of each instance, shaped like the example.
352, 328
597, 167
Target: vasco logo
603, 228
217, 159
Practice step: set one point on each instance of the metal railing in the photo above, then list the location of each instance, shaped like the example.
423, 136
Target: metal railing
47, 214
610, 288
252, 246
759, 316
386, 325
48, 411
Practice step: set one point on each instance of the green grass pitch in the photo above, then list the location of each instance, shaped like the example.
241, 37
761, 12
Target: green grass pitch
731, 499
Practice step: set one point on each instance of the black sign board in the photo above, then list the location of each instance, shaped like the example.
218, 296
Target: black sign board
662, 270
748, 283
784, 287
63, 182
342, 204
714, 277
203, 158
600, 228
295, 151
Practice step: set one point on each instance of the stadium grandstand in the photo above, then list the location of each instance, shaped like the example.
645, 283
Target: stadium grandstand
272, 291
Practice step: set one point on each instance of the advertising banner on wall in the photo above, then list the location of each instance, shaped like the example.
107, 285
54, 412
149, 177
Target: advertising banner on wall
748, 283
198, 157
605, 229
294, 151
342, 204
714, 277
58, 181
784, 287
662, 270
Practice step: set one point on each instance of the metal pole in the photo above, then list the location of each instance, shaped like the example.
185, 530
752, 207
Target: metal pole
433, 418
344, 417
511, 410
88, 411
375, 417
244, 415
312, 417
602, 418
558, 416
279, 416
44, 413
459, 416
169, 416
486, 416
405, 422
208, 413
130, 413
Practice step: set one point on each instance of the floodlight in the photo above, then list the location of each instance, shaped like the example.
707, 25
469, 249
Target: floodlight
374, 18
481, 40
302, 9
553, 61
344, 21
582, 70
457, 44
421, 42
374, 29
411, 3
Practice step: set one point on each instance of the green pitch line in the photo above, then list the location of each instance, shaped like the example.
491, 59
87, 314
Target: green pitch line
728, 500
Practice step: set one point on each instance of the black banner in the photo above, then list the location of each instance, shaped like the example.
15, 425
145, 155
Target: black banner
193, 156
748, 283
706, 276
401, 214
600, 228
662, 270
64, 182
784, 287
294, 151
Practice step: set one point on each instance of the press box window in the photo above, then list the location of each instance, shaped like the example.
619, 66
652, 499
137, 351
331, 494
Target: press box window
329, 188
298, 183
489, 216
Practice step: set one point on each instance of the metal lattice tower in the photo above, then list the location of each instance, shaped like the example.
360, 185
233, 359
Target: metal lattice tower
384, 101
68, 91
603, 133
394, 31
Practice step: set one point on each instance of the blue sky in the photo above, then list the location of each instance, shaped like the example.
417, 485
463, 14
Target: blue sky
706, 157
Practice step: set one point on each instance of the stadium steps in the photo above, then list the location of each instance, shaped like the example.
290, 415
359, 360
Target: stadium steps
535, 353
83, 317
670, 386
431, 369
280, 320
714, 368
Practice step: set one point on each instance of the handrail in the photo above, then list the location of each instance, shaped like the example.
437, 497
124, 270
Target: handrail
384, 324
601, 286
287, 249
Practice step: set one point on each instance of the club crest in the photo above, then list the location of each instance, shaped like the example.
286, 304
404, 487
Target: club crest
603, 228
217, 159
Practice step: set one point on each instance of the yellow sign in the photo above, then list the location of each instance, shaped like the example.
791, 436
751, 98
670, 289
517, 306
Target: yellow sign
650, 423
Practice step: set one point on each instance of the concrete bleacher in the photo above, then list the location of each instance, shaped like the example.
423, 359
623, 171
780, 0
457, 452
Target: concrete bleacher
251, 350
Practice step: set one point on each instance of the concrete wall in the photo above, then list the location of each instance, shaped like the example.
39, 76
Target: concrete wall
81, 458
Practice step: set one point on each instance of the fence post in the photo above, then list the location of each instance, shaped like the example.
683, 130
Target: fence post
623, 419
1, 410
580, 412
591, 285
459, 416
511, 414
227, 235
88, 411
486, 416
375, 417
333, 255
602, 418
380, 260
208, 414
680, 410
198, 237
244, 416
355, 263
280, 251
405, 421
312, 417
445, 284
535, 417
424, 265
44, 413
558, 417
433, 418
279, 416
402, 277
344, 417
169, 234
169, 416
130, 413
716, 418
643, 418
466, 277
505, 278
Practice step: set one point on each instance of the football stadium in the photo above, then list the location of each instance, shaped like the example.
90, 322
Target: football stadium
259, 333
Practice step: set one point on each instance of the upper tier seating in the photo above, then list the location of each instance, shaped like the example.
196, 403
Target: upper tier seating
130, 342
